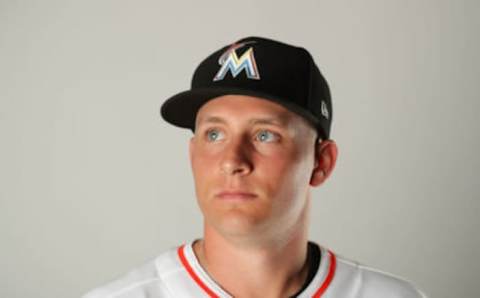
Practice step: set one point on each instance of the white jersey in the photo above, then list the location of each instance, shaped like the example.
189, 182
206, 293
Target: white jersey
178, 274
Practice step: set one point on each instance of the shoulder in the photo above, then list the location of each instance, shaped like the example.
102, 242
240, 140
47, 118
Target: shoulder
369, 282
144, 281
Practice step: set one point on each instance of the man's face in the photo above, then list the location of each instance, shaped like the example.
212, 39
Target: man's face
252, 162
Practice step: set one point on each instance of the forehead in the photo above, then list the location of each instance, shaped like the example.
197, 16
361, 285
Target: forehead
247, 108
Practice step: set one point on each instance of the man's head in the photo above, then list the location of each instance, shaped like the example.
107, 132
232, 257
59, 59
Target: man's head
261, 114
253, 163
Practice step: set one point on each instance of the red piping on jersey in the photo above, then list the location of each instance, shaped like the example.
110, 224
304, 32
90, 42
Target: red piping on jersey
196, 278
328, 279
181, 255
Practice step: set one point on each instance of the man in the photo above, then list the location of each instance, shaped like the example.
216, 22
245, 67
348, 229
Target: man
261, 114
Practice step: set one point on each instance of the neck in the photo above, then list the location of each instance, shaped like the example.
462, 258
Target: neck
270, 268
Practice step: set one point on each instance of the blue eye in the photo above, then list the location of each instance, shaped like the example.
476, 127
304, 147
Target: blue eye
266, 136
214, 135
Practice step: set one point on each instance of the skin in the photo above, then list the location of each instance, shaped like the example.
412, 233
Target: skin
253, 163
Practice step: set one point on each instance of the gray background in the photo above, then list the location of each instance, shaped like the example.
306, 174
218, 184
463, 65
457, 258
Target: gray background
93, 183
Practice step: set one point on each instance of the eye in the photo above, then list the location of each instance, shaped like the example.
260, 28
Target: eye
214, 135
266, 136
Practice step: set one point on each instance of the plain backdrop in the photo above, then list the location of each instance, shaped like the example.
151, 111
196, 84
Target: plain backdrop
93, 183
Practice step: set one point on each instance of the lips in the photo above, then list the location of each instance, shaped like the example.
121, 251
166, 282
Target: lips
234, 195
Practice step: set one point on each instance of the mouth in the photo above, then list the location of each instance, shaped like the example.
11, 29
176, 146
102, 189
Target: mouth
235, 195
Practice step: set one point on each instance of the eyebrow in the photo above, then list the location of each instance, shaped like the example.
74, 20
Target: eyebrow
277, 121
212, 119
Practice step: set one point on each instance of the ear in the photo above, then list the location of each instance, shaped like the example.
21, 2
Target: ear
325, 158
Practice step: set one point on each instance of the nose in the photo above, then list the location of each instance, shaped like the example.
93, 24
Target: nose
236, 159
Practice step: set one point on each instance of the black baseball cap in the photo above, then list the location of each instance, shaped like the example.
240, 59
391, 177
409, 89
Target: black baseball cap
259, 67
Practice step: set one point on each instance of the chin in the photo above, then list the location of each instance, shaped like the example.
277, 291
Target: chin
238, 224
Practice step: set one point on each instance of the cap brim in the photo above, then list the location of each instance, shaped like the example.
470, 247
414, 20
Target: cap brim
181, 109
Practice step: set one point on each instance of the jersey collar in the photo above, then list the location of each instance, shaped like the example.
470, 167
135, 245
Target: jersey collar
316, 288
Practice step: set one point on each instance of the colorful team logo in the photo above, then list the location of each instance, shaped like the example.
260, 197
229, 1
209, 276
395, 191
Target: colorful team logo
229, 61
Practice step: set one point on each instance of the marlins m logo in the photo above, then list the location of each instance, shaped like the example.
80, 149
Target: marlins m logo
230, 62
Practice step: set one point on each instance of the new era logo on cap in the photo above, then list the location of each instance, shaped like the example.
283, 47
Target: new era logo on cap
229, 61
324, 109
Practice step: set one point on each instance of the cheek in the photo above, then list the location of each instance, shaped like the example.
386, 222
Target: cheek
285, 174
199, 168
287, 187
203, 168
